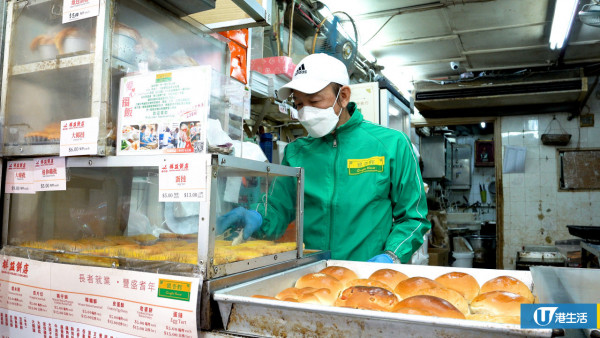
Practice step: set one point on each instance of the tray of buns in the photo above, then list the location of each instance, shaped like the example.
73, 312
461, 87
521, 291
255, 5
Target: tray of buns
344, 298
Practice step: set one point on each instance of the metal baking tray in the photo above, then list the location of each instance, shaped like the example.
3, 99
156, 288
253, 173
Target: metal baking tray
243, 314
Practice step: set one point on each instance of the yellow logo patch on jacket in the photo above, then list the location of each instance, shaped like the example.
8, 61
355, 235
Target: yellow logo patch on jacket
367, 165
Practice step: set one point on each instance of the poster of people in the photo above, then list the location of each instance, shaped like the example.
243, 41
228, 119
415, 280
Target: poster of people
164, 112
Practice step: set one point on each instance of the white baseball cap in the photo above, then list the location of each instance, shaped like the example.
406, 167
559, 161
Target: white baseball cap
314, 73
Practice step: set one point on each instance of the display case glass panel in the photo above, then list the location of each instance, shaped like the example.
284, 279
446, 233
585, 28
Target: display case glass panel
110, 215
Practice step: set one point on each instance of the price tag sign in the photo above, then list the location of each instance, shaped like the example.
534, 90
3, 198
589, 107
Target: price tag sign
74, 10
19, 177
182, 179
49, 174
79, 137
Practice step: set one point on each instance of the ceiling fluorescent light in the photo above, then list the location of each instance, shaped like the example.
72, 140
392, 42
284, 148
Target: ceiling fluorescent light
561, 23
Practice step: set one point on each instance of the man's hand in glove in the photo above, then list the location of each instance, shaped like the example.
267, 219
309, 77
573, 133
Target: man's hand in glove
250, 220
381, 258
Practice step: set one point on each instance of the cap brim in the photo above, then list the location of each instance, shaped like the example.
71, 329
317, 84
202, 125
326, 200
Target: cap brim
304, 85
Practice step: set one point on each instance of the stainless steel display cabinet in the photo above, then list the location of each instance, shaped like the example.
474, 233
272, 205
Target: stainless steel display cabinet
110, 216
54, 72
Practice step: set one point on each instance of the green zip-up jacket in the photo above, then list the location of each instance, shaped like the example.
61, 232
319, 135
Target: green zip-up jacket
363, 193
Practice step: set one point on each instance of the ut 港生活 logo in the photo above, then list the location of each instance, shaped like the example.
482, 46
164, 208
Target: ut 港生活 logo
544, 315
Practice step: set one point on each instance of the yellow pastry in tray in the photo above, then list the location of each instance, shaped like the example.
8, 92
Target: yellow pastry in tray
144, 239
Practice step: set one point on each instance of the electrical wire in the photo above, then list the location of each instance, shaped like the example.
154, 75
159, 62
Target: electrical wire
307, 16
380, 28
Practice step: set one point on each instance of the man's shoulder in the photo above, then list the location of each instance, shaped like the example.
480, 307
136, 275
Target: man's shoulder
384, 134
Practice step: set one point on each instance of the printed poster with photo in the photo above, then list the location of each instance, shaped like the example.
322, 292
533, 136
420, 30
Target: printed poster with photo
164, 112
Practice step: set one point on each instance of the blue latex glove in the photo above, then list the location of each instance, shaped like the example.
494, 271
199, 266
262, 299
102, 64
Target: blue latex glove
381, 258
250, 220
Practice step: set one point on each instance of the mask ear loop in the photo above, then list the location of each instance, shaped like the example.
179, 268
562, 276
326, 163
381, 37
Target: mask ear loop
336, 101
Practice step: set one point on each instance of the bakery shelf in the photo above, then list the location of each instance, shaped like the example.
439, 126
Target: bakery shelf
59, 63
84, 80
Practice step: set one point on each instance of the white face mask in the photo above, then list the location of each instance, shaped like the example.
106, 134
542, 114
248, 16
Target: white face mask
317, 121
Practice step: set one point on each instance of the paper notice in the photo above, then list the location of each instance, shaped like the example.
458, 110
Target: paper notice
49, 174
19, 177
79, 137
183, 179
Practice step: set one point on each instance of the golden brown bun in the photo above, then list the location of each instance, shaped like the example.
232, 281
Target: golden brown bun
498, 303
368, 282
413, 311
41, 40
496, 319
462, 282
508, 284
340, 273
293, 293
317, 296
367, 298
389, 277
60, 37
434, 305
123, 29
264, 297
453, 297
318, 281
410, 287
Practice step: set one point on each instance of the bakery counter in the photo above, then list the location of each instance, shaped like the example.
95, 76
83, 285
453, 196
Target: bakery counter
251, 309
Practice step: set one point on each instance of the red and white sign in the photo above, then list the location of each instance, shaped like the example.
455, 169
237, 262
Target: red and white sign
40, 299
50, 174
183, 178
74, 10
19, 177
79, 137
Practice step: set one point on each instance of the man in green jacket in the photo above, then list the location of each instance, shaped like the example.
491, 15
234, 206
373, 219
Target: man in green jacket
363, 193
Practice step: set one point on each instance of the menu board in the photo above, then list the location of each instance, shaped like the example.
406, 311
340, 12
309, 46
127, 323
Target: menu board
164, 112
40, 299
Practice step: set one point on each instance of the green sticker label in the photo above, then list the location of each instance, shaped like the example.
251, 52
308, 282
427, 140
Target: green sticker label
174, 289
367, 165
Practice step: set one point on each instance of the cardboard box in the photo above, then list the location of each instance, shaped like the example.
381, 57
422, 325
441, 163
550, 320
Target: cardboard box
438, 256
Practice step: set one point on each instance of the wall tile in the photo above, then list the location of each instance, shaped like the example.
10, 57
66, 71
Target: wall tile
547, 152
531, 123
532, 180
516, 180
533, 194
533, 152
518, 209
516, 139
532, 166
531, 138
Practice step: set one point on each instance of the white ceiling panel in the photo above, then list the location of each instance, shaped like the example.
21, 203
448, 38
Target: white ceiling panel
504, 38
361, 7
583, 53
512, 59
419, 52
498, 13
405, 27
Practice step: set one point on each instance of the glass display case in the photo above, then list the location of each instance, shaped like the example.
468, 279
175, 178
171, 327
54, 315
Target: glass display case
54, 71
110, 215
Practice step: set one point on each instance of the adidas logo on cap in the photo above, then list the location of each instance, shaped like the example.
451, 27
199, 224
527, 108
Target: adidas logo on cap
300, 70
